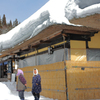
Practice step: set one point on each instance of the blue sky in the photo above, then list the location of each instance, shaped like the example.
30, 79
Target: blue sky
20, 9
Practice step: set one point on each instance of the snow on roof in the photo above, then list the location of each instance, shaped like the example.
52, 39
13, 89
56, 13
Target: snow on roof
53, 12
85, 3
74, 9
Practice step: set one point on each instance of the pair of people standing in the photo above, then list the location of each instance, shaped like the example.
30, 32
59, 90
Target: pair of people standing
36, 84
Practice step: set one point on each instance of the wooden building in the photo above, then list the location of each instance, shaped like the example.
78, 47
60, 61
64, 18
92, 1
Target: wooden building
75, 76
67, 56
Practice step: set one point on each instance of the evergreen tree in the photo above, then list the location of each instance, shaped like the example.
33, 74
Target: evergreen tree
0, 22
10, 23
15, 23
9, 26
5, 27
0, 26
4, 20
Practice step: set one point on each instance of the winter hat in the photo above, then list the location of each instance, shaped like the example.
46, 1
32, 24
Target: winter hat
36, 72
19, 72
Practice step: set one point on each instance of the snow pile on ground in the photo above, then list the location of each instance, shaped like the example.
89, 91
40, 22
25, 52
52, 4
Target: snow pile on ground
4, 92
10, 85
8, 92
4, 89
52, 13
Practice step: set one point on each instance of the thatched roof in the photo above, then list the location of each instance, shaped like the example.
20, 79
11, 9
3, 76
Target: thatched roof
89, 21
49, 33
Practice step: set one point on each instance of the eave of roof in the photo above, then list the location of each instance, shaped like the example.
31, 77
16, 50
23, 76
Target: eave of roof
50, 32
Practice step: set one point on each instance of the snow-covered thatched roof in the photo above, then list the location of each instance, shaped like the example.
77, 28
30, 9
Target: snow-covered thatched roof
54, 12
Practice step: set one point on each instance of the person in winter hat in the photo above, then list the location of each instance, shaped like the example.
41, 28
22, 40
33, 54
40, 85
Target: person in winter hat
36, 84
21, 84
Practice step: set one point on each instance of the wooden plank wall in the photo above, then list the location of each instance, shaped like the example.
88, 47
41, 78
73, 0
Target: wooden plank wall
83, 84
52, 79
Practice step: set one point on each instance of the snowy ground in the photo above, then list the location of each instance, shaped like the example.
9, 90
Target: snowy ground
8, 92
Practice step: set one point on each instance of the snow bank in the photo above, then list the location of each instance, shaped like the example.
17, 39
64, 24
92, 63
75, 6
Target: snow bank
8, 92
10, 85
4, 89
5, 93
53, 12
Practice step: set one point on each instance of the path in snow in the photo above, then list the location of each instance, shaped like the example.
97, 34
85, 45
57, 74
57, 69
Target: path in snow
8, 92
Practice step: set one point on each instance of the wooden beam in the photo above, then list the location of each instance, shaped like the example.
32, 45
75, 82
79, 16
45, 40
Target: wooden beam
64, 34
76, 32
24, 48
35, 46
13, 54
87, 44
52, 36
17, 57
45, 42
16, 51
3, 55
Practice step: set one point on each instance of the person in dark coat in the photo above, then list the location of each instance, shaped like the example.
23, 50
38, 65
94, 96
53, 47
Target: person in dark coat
21, 84
36, 84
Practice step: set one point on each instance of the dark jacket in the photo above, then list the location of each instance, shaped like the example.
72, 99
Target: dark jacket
21, 83
36, 84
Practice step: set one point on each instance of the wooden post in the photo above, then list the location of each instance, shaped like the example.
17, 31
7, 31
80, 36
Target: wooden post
87, 44
65, 69
35, 56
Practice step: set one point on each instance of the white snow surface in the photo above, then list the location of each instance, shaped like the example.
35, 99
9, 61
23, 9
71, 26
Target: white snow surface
8, 92
53, 12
